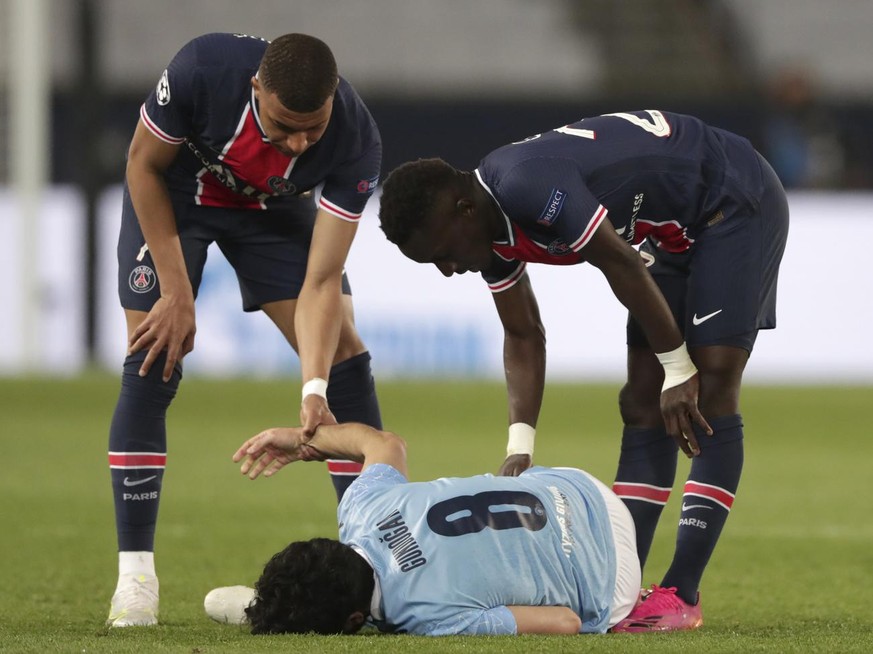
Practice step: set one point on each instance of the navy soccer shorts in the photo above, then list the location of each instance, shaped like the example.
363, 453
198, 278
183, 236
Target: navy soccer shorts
723, 289
267, 249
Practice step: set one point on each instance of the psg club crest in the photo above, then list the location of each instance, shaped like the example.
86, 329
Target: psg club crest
558, 248
142, 279
281, 185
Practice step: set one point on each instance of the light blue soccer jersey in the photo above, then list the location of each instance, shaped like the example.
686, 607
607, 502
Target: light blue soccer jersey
453, 553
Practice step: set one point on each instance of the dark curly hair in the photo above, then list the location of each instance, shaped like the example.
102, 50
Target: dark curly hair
410, 193
300, 70
311, 586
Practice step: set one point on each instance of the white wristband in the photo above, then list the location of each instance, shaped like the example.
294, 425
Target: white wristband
678, 367
521, 439
315, 386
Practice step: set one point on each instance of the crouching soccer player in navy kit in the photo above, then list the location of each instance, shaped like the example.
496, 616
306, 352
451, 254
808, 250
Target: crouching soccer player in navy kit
712, 220
228, 147
551, 551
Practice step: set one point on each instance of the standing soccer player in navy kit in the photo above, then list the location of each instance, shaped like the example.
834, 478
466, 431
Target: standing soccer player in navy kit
228, 148
712, 219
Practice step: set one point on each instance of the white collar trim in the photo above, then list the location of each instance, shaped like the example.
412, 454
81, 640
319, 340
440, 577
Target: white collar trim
509, 230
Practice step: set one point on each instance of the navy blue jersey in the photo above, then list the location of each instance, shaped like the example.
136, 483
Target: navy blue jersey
204, 101
657, 175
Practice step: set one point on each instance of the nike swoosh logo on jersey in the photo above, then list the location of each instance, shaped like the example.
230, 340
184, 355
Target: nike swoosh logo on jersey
620, 231
128, 482
697, 320
686, 507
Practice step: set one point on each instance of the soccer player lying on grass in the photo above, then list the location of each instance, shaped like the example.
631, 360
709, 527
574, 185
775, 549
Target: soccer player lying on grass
551, 551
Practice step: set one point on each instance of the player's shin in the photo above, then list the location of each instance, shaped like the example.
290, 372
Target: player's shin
646, 471
351, 395
706, 503
138, 451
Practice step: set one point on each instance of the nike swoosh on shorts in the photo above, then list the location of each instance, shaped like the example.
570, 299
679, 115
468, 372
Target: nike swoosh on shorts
702, 319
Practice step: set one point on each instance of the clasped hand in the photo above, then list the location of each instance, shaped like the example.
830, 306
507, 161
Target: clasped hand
273, 449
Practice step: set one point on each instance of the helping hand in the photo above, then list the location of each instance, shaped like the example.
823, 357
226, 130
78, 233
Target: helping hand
515, 464
170, 326
314, 412
273, 449
679, 408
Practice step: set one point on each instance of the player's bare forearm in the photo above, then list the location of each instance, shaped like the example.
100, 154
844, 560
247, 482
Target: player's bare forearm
317, 325
158, 224
524, 361
524, 350
170, 324
545, 620
317, 321
362, 443
272, 449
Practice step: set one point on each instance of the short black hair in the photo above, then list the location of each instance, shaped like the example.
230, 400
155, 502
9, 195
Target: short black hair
301, 70
311, 586
410, 193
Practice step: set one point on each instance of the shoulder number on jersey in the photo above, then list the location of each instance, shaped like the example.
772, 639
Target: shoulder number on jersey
658, 126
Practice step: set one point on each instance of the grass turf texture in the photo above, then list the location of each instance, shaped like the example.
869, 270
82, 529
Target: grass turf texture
792, 572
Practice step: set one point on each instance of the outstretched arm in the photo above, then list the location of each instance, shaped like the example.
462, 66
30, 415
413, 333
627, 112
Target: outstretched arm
545, 620
524, 361
635, 289
316, 321
273, 449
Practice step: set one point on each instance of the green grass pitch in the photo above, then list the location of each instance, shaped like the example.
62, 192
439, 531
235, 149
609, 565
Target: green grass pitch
793, 571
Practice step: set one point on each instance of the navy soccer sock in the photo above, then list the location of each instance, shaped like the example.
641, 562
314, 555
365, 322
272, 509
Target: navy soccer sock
646, 471
138, 450
706, 502
351, 395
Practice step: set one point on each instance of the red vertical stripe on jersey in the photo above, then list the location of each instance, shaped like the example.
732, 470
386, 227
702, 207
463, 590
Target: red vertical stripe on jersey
714, 493
247, 152
643, 492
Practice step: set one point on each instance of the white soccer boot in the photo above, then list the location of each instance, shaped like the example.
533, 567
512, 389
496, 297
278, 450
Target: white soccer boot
228, 604
135, 602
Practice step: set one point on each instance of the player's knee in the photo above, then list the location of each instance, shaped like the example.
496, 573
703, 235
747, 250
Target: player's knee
720, 381
719, 394
154, 379
637, 408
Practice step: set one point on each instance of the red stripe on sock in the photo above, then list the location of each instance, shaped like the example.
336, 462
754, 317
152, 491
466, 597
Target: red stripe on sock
344, 467
643, 492
714, 493
138, 459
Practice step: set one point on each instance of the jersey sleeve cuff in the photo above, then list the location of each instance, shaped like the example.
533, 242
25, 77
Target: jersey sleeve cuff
338, 211
582, 241
509, 281
157, 131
